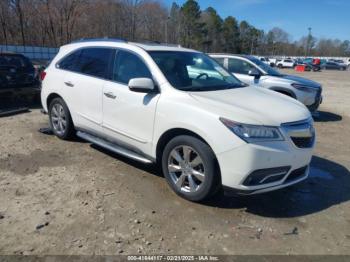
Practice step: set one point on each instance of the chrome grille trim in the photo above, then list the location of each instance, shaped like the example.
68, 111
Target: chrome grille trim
301, 133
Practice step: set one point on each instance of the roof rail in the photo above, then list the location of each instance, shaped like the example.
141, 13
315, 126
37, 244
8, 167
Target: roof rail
100, 40
154, 42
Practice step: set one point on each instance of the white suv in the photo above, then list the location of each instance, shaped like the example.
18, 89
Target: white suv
178, 108
286, 63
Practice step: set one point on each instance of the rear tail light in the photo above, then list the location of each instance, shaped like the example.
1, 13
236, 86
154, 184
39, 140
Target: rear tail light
42, 75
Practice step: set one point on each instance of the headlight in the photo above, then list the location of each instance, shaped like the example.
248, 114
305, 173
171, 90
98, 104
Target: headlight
304, 88
253, 133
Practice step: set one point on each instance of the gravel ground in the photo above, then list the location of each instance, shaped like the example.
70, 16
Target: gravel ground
69, 198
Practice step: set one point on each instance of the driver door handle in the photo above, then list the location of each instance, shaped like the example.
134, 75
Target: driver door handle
110, 95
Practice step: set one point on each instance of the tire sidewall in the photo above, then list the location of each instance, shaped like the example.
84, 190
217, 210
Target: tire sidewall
69, 128
211, 176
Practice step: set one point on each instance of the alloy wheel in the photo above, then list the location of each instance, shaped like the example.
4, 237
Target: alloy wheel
186, 169
58, 119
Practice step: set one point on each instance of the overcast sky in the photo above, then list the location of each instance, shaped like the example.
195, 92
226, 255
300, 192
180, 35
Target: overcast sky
327, 18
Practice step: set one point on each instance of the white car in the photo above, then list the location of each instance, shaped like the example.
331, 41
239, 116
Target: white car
266, 61
180, 109
286, 63
252, 71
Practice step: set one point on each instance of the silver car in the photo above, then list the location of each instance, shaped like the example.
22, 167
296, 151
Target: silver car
252, 71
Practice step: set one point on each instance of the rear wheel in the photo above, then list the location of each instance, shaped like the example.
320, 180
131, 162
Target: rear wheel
190, 167
60, 119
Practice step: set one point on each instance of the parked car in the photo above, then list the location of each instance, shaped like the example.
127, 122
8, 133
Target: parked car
308, 66
285, 63
267, 61
253, 72
341, 62
333, 66
17, 76
179, 108
273, 61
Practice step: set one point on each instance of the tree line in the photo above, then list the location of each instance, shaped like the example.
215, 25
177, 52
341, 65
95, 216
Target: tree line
56, 22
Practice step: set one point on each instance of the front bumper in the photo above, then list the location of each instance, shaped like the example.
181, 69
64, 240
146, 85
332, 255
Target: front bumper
318, 100
286, 183
238, 164
311, 100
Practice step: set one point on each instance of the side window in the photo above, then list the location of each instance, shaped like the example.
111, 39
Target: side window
70, 61
220, 60
95, 61
127, 66
239, 66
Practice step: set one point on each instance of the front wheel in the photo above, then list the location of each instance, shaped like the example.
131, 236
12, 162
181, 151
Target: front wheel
60, 119
189, 166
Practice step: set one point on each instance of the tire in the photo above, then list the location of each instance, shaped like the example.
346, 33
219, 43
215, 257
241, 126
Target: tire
60, 119
195, 177
280, 66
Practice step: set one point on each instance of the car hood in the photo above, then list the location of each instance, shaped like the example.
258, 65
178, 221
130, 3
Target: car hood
301, 80
252, 105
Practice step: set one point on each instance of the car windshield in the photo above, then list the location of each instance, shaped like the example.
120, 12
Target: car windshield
191, 71
268, 69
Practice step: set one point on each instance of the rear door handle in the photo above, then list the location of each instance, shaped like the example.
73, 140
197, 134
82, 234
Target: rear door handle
69, 84
110, 95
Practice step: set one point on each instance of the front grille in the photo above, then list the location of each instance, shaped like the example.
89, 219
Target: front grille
296, 174
301, 133
303, 142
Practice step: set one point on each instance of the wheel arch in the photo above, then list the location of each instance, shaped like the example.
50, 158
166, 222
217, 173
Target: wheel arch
170, 134
51, 97
54, 95
174, 132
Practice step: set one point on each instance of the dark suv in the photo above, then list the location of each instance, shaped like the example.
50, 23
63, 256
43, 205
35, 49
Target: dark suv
17, 76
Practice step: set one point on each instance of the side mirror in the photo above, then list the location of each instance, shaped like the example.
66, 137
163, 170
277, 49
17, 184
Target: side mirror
142, 85
254, 72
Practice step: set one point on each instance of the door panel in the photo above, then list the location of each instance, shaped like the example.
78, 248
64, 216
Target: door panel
129, 116
87, 70
240, 69
86, 100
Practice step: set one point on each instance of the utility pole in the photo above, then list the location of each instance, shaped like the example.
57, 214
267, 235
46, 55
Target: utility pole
308, 43
166, 29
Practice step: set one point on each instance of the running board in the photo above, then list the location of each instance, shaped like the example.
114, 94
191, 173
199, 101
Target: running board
113, 147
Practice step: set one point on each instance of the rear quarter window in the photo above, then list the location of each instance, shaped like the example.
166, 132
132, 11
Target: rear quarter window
94, 61
70, 61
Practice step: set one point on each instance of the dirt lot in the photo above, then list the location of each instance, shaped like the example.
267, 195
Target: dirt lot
73, 198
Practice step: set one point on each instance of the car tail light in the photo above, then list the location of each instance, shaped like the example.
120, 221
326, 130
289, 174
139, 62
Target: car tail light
42, 75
